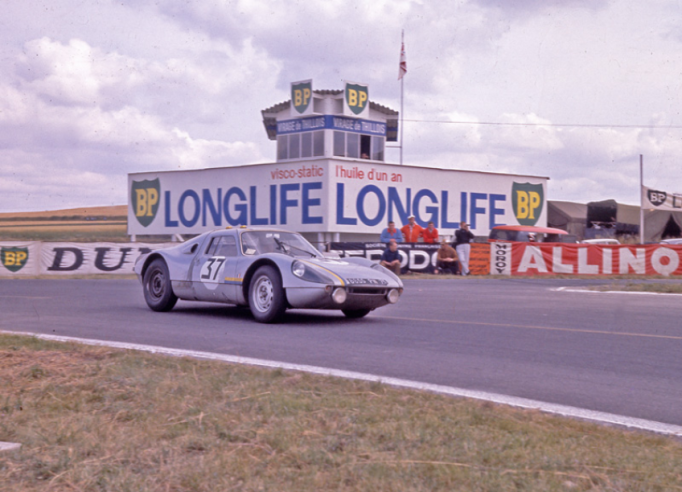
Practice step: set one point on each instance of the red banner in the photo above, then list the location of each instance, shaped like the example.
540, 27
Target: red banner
584, 259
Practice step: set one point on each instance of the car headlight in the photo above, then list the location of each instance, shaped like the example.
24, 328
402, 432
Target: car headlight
298, 269
309, 273
339, 295
393, 296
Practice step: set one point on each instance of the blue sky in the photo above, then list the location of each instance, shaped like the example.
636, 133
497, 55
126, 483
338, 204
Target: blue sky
573, 89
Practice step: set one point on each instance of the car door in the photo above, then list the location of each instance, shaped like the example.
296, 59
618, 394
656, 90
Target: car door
213, 275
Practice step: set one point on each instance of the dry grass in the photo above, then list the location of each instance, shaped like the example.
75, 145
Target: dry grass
95, 419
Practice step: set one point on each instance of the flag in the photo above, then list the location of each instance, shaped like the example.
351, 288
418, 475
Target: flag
402, 69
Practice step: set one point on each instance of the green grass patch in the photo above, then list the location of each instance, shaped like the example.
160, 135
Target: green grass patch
99, 419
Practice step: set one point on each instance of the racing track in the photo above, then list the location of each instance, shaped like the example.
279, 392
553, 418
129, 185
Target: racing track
616, 353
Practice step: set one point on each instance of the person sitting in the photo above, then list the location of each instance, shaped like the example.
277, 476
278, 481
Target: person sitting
391, 233
430, 234
391, 257
447, 260
412, 231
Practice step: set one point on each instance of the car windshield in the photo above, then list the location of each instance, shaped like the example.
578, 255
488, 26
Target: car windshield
261, 242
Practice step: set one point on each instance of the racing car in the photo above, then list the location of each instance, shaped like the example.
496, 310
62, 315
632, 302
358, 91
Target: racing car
268, 270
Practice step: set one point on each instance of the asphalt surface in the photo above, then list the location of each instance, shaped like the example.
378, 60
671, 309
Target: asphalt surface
616, 353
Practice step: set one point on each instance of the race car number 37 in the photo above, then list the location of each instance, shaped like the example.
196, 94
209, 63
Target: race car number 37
211, 270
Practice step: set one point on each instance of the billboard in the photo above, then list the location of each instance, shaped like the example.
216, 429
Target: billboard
330, 195
584, 259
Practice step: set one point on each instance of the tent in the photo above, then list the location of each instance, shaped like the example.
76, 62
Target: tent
569, 216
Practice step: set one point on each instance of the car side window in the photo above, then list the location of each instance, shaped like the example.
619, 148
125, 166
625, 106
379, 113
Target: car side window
212, 246
227, 246
222, 246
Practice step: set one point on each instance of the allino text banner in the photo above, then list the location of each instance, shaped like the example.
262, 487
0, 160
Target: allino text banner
585, 259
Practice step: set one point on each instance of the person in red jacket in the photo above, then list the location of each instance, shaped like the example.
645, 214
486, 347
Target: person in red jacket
412, 231
430, 234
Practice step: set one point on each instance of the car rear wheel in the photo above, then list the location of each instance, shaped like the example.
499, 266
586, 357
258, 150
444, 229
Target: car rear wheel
157, 287
266, 295
355, 313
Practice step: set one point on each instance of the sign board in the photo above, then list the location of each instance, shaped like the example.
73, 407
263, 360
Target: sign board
301, 98
36, 258
661, 200
330, 195
331, 122
584, 259
355, 99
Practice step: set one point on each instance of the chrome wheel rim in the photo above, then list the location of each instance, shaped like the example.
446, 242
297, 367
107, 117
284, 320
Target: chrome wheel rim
263, 294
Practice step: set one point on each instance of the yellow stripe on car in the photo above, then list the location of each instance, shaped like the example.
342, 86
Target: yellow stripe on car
343, 283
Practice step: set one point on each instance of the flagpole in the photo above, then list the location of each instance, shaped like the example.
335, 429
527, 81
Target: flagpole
402, 81
641, 199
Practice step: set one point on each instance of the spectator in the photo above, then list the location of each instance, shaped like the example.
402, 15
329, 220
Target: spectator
447, 259
430, 234
463, 237
391, 233
391, 257
412, 231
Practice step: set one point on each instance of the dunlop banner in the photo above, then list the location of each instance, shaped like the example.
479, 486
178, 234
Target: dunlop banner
584, 259
415, 257
37, 258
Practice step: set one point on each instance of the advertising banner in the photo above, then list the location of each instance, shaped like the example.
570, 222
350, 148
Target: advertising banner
331, 195
584, 259
415, 257
37, 258
661, 200
19, 258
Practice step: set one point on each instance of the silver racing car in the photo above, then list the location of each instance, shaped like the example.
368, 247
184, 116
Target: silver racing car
268, 270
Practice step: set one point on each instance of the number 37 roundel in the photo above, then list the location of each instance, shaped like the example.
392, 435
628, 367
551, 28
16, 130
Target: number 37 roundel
212, 270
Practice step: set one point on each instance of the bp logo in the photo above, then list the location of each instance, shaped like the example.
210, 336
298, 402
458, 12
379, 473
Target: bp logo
301, 95
14, 259
145, 200
527, 200
657, 198
357, 97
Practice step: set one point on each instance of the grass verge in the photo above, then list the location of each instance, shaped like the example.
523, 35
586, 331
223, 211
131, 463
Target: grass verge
98, 419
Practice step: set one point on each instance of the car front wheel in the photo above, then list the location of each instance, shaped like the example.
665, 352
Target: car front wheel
266, 295
157, 287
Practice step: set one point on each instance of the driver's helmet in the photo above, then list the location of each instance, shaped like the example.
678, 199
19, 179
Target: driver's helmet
531, 237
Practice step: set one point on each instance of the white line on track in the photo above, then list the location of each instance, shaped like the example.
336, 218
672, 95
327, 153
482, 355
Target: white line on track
563, 410
637, 292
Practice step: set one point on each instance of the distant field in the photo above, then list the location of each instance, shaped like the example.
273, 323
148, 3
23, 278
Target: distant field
76, 224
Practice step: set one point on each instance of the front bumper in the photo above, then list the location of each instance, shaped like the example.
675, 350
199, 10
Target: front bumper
360, 297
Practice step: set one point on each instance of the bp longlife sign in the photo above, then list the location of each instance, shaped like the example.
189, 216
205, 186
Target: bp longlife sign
330, 195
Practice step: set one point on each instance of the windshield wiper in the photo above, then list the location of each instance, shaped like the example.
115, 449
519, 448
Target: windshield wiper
286, 247
282, 246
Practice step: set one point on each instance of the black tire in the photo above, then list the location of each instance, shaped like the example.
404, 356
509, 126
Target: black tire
355, 313
157, 288
267, 300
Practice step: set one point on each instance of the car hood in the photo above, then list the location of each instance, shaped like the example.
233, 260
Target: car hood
352, 273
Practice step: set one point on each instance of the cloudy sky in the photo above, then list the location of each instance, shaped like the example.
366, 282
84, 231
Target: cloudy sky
576, 90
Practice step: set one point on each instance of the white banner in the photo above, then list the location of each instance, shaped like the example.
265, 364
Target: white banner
331, 195
661, 200
34, 258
